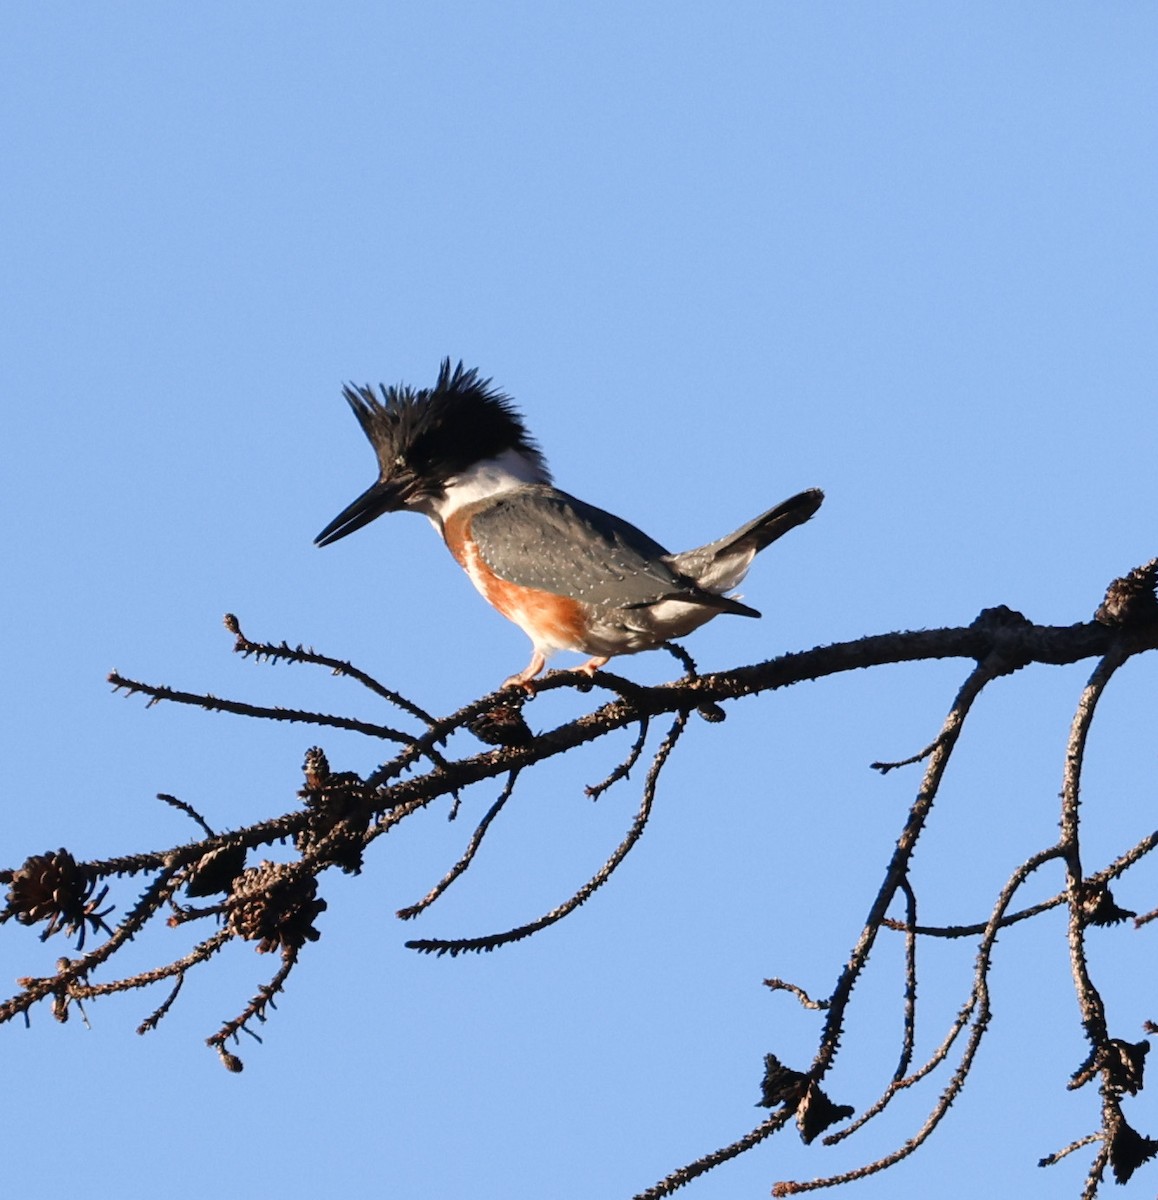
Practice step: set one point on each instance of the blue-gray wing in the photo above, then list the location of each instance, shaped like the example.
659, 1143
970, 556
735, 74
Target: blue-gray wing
540, 537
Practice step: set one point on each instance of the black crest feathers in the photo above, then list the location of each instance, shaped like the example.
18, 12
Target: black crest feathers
436, 432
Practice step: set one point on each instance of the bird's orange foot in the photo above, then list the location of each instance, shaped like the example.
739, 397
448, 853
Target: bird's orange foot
525, 679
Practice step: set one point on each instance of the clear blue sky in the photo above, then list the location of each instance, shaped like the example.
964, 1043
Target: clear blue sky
904, 252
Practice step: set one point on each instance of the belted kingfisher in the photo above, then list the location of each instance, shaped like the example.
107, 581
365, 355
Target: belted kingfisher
570, 575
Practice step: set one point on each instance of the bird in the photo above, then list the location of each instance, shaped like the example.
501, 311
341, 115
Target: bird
570, 575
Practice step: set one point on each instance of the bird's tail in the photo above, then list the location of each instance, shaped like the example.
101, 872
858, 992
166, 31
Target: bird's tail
720, 565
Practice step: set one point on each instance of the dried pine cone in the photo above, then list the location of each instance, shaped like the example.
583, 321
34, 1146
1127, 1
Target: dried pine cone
1128, 1149
781, 1084
338, 813
503, 725
1131, 599
53, 887
316, 768
216, 871
275, 906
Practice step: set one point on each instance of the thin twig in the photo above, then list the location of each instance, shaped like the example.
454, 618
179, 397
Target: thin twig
253, 1011
1113, 870
898, 866
298, 654
1065, 1151
158, 693
187, 809
200, 953
684, 1175
977, 1010
909, 1026
1097, 1170
781, 985
623, 769
1089, 1000
455, 946
920, 756
467, 858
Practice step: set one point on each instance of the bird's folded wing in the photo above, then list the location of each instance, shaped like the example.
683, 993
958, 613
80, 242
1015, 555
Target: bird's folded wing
540, 537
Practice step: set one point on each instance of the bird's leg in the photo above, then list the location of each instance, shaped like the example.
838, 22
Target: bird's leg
523, 678
593, 664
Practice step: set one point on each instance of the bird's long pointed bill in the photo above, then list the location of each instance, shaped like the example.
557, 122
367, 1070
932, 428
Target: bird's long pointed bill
383, 497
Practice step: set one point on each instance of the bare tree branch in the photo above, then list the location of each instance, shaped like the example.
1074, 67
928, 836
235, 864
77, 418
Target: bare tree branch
338, 815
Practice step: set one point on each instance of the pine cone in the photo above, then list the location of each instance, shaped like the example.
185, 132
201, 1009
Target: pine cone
275, 906
53, 887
